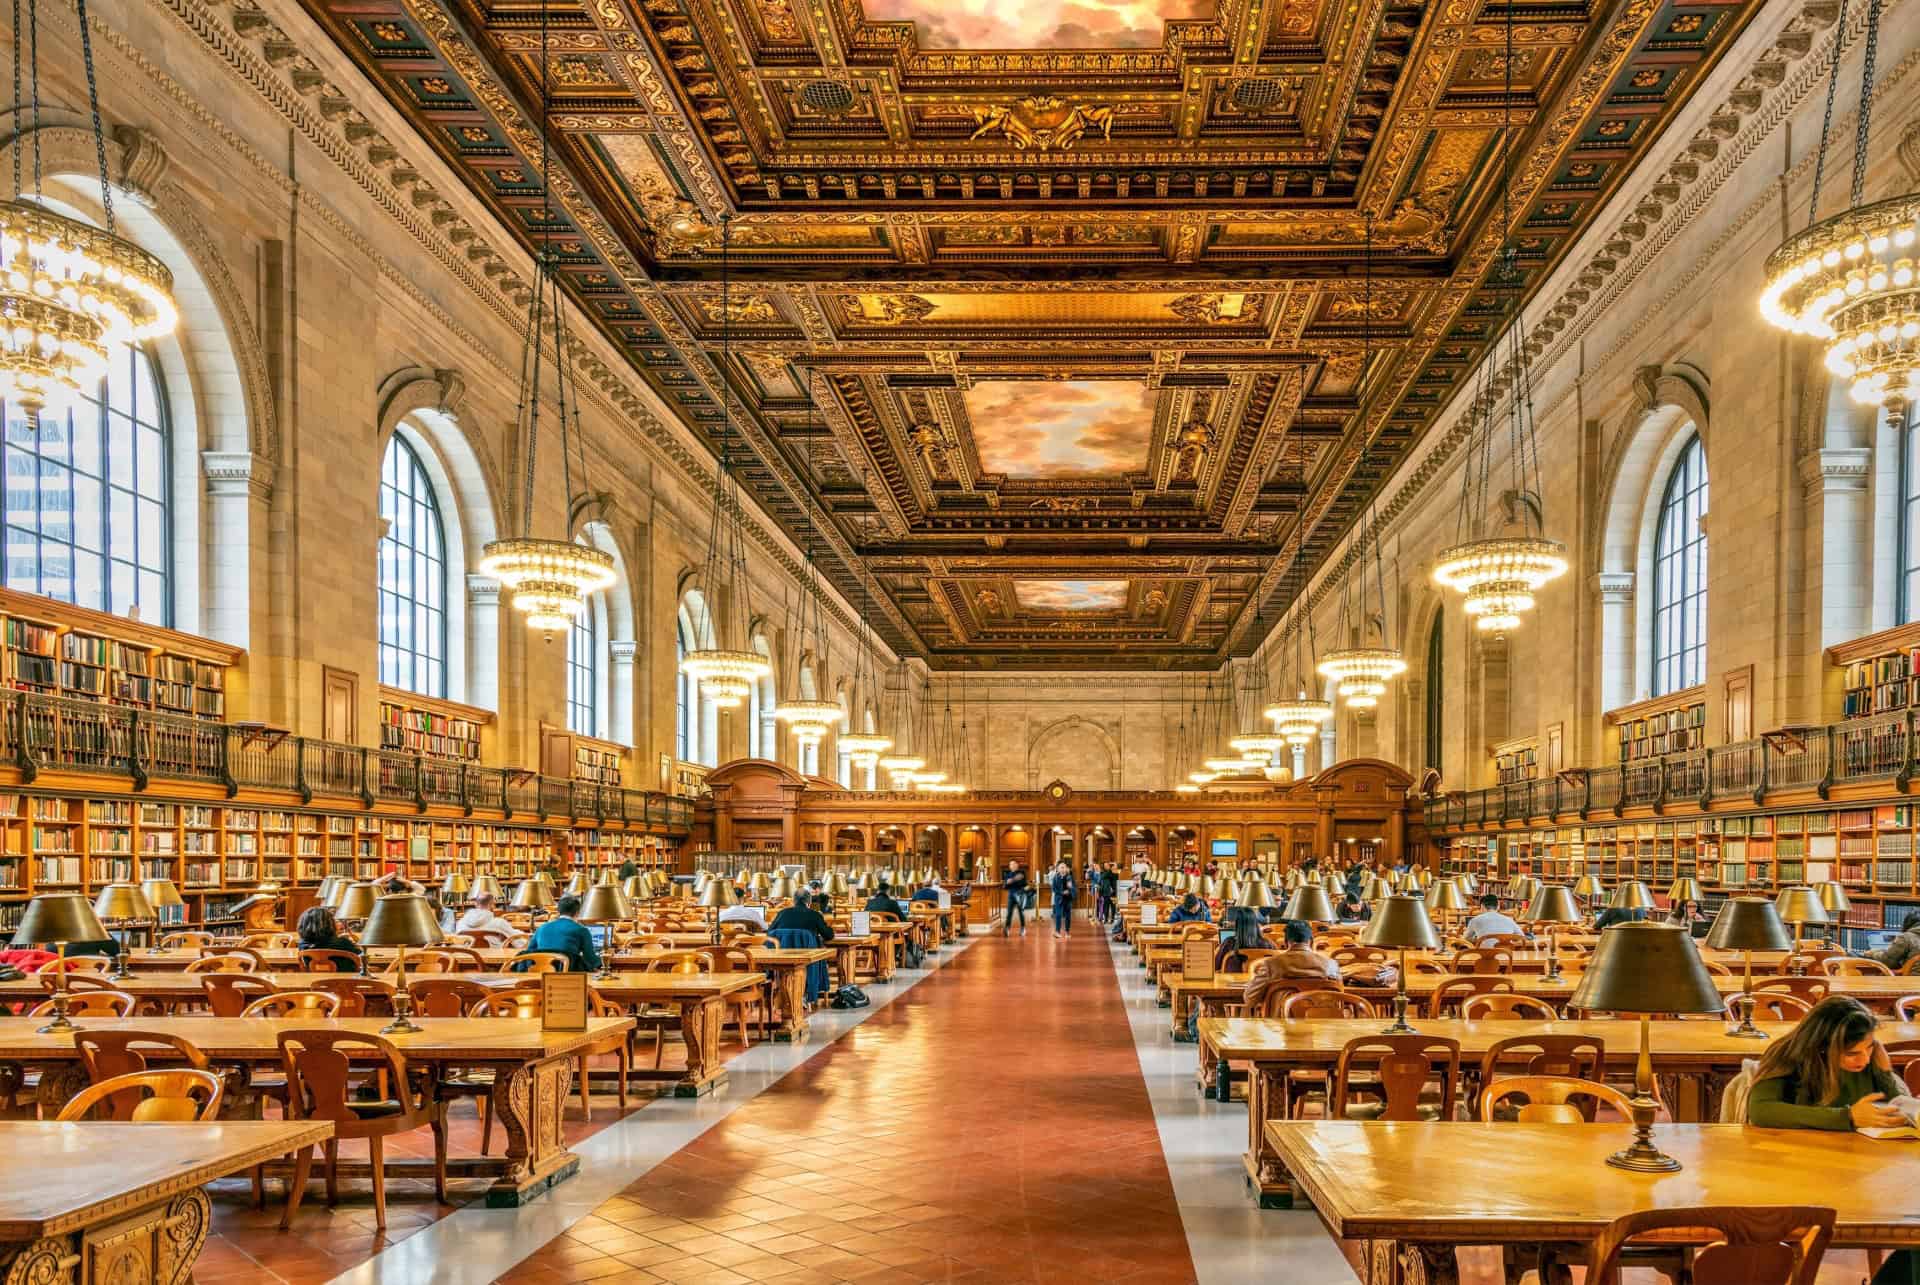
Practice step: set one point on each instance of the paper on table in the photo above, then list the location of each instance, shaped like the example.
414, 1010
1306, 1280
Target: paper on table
563, 1001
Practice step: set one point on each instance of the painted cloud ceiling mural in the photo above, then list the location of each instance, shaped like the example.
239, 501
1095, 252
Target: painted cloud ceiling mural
1040, 24
1061, 428
1071, 595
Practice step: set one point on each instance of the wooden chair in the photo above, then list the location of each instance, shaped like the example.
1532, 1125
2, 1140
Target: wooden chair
445, 996
1767, 1245
270, 941
1346, 955
228, 994
1715, 969
254, 962
738, 959
74, 964
186, 941
106, 1054
539, 961
486, 938
466, 959
427, 961
1549, 1100
222, 964
1503, 941
1579, 1057
1326, 1003
1427, 968
1499, 1006
679, 961
1810, 989
359, 996
603, 1007
1907, 1008
1401, 1066
50, 982
1770, 1006
1273, 1002
170, 1097
89, 1004
327, 960
1454, 989
306, 1004
319, 1075
514, 1003
1483, 959
1911, 968
1846, 966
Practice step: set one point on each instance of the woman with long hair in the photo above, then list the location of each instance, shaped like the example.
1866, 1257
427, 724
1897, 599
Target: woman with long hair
1240, 932
1829, 1073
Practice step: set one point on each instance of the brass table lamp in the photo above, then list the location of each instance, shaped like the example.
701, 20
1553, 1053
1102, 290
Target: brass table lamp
57, 919
1444, 897
717, 897
1799, 906
533, 896
456, 887
1646, 968
1589, 889
1833, 900
605, 904
163, 896
1400, 923
487, 884
577, 885
1683, 889
1747, 924
1378, 888
122, 904
400, 920
1255, 895
329, 889
1309, 905
1631, 895
1551, 905
355, 904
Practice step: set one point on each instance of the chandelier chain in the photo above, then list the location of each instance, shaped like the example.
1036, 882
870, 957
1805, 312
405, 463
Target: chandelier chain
33, 59
1858, 192
93, 104
1826, 116
16, 92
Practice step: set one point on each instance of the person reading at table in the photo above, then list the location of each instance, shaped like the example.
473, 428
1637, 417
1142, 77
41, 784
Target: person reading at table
481, 917
1490, 922
805, 918
320, 931
1352, 910
566, 935
1297, 961
743, 913
883, 901
1240, 928
1832, 1073
1897, 953
1191, 910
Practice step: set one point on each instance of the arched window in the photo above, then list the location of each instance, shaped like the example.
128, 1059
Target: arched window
88, 504
763, 734
1680, 576
413, 575
1435, 690
583, 672
686, 699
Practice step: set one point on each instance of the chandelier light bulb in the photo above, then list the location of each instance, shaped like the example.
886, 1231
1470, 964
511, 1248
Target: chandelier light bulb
1848, 281
1360, 674
810, 720
726, 677
1500, 577
1298, 720
548, 581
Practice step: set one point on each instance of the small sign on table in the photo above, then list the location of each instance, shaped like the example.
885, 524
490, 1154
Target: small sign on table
1196, 959
563, 1001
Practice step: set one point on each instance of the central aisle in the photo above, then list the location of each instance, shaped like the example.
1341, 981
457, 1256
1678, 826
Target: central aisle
991, 1125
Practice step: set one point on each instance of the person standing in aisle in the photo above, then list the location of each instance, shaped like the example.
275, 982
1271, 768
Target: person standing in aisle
1062, 887
1016, 885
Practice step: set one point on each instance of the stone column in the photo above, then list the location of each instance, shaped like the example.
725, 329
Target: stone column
1616, 638
239, 489
620, 690
1839, 513
483, 642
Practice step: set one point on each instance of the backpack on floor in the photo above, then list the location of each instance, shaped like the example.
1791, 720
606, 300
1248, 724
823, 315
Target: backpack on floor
850, 997
916, 954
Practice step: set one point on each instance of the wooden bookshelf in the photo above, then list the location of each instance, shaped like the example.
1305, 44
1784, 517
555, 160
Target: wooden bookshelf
438, 729
1878, 672
1515, 761
1670, 724
57, 649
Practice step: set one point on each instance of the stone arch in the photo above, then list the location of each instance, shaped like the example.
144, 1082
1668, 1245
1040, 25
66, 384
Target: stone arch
1065, 767
615, 608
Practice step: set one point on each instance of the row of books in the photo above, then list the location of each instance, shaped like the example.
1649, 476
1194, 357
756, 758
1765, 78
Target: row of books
1673, 732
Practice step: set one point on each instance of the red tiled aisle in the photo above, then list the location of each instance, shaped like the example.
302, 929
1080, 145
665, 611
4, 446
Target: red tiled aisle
991, 1125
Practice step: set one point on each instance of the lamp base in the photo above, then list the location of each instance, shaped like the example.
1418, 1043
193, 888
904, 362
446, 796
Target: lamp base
60, 1022
1743, 1005
1400, 1026
1747, 1031
401, 1025
1643, 1157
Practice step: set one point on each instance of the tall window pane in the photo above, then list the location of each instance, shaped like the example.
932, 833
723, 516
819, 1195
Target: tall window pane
413, 576
1910, 528
1680, 577
583, 674
1436, 691
686, 696
88, 497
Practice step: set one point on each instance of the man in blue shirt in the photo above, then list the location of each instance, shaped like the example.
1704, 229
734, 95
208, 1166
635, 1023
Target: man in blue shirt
1490, 922
564, 935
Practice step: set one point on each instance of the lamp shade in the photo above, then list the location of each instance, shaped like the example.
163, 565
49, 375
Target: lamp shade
1255, 895
1309, 903
604, 904
1589, 885
455, 885
1210, 888
54, 918
759, 884
608, 875
635, 887
487, 884
1468, 881
1748, 923
783, 888
533, 894
719, 894
1800, 906
355, 902
1400, 923
1378, 888
1685, 888
577, 885
122, 901
401, 919
161, 892
1553, 904
1833, 898
1444, 894
1647, 968
541, 876
836, 885
1631, 895
329, 889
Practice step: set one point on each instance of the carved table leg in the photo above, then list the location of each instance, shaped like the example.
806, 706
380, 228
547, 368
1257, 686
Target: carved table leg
41, 1262
700, 1022
787, 993
529, 1101
1267, 1100
1390, 1262
1180, 1006
58, 1083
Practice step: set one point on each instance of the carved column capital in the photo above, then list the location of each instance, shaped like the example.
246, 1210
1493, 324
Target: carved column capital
1615, 586
483, 591
237, 473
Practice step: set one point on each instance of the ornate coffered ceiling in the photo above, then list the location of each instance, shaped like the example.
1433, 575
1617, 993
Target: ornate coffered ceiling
1085, 310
